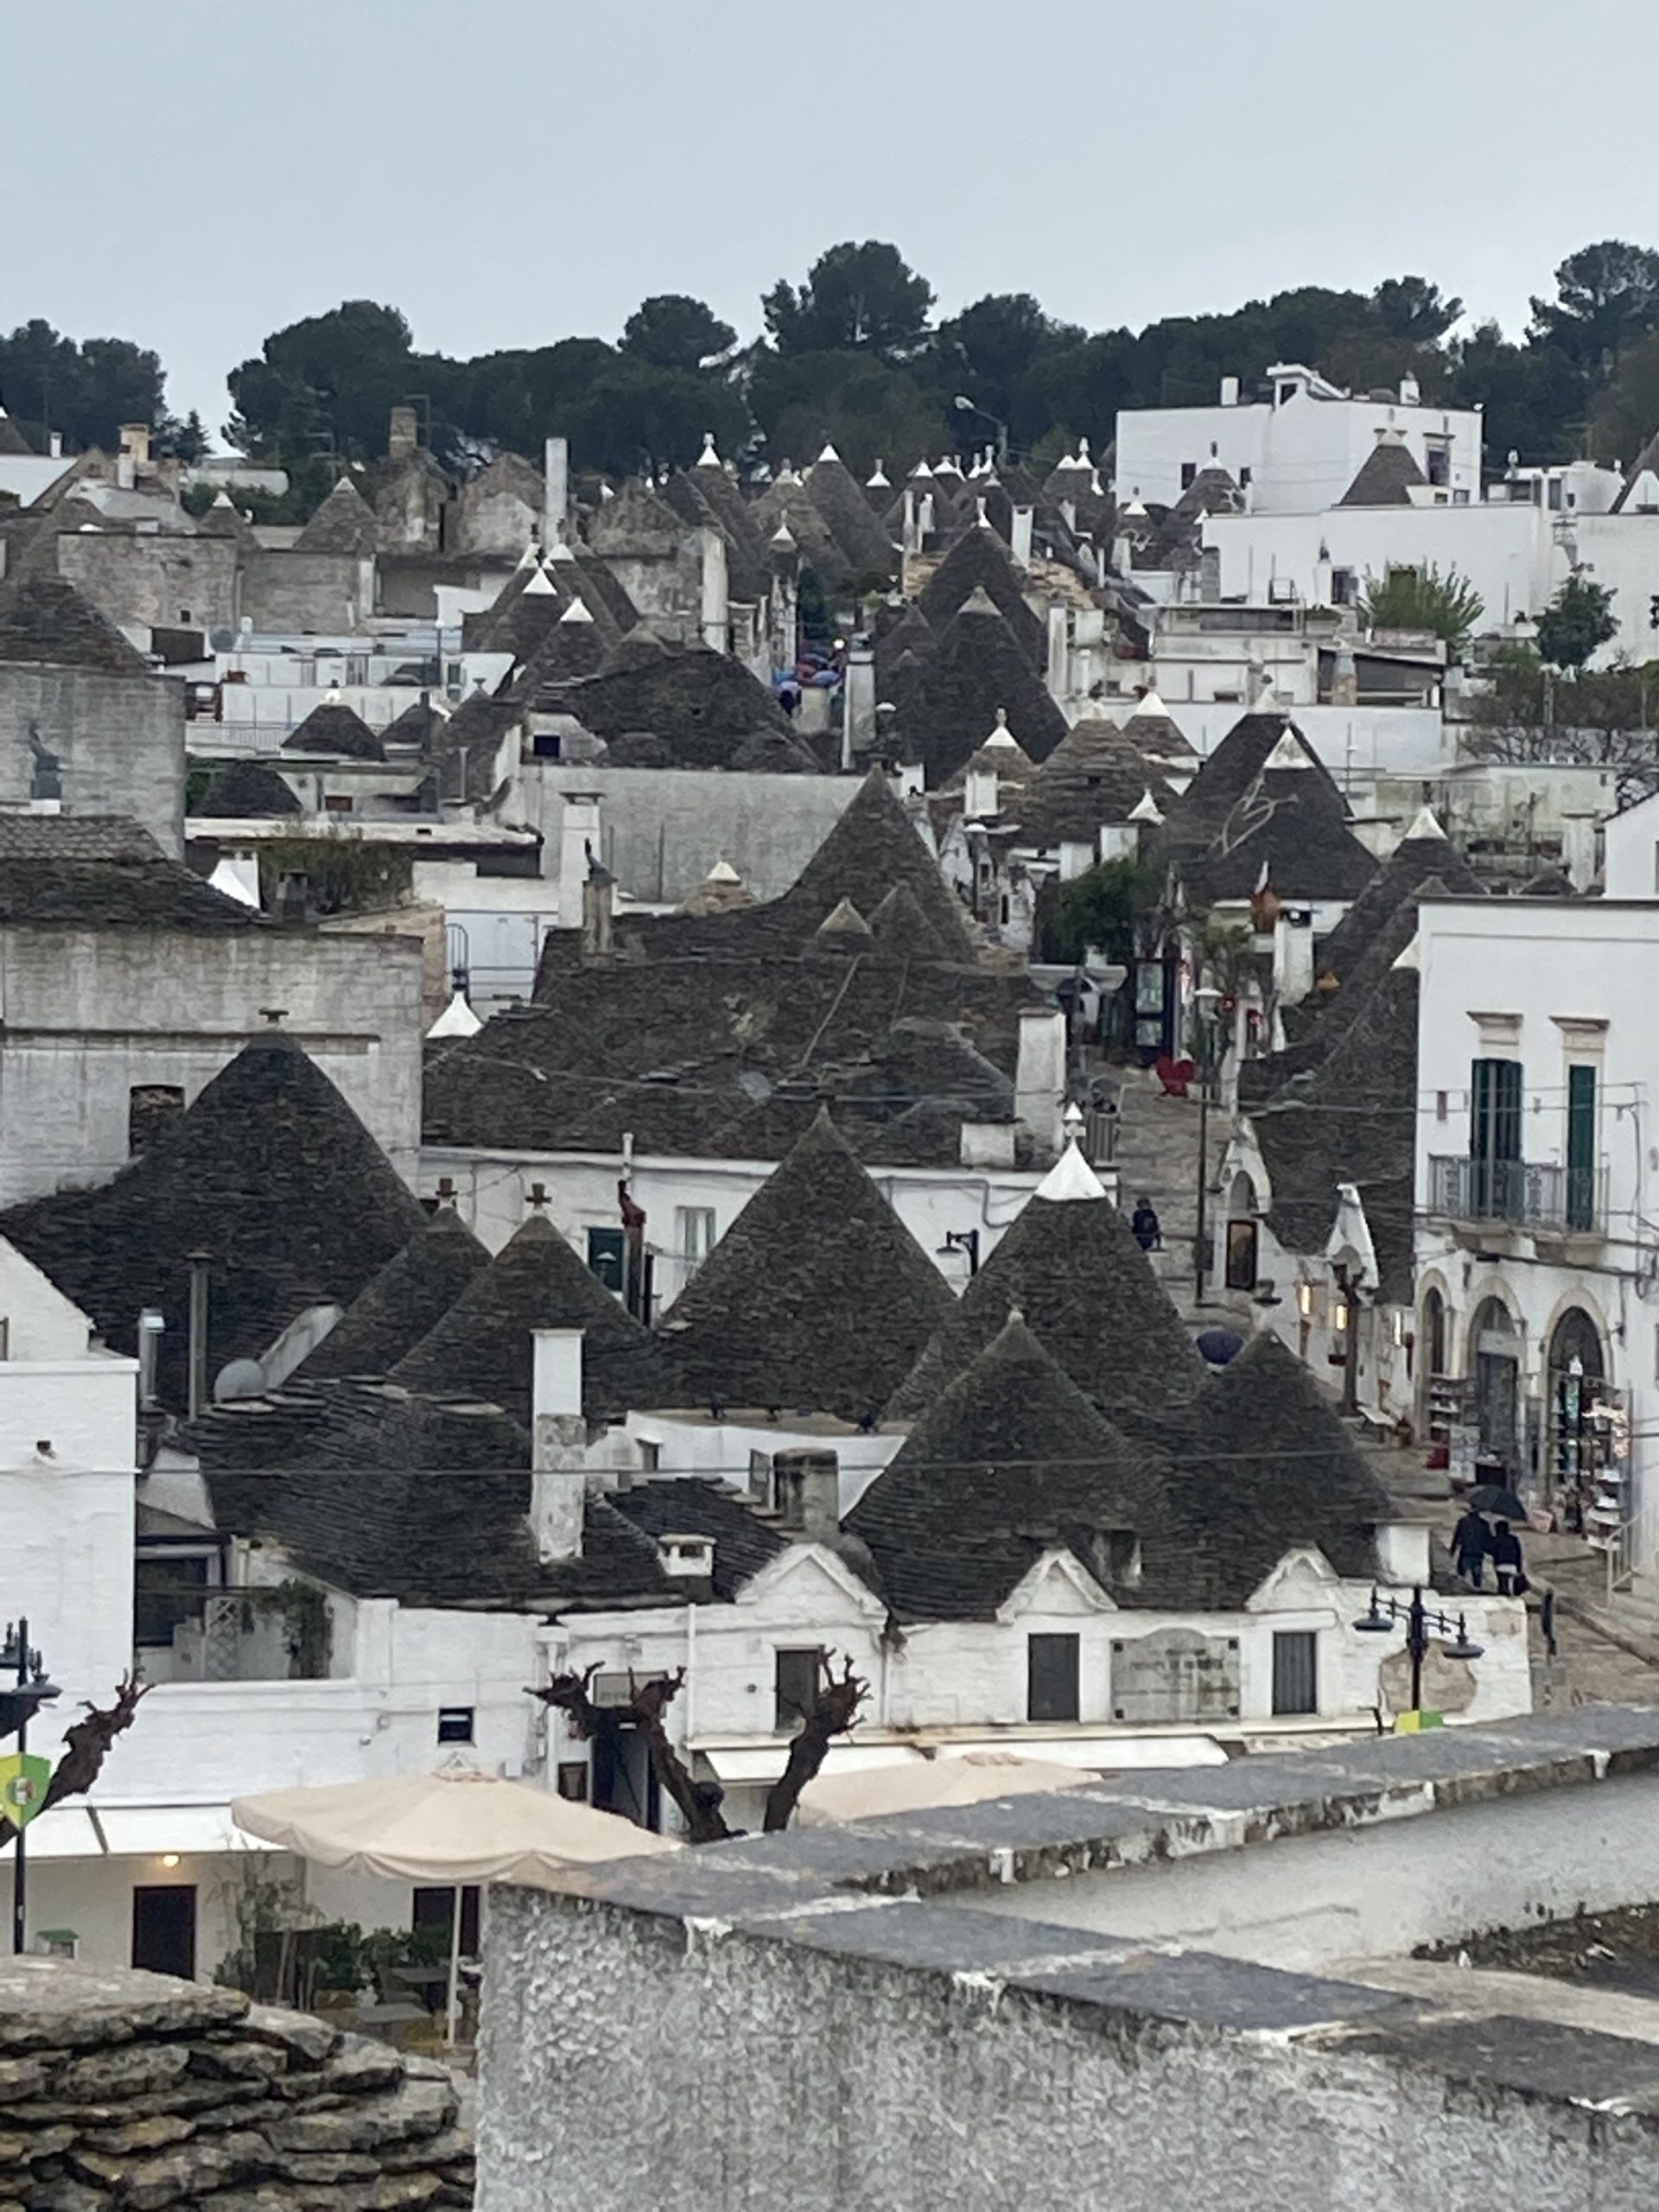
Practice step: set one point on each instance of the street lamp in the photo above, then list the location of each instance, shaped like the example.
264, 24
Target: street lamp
18, 1708
966, 406
1385, 1614
1207, 999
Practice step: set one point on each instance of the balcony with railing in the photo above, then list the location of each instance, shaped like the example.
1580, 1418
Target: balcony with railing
1543, 1197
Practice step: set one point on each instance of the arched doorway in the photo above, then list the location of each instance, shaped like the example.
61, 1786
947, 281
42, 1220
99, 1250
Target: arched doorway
1580, 1431
1243, 1234
1495, 1357
1433, 1334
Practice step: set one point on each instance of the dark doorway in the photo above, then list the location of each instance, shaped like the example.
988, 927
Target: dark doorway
164, 1929
624, 1779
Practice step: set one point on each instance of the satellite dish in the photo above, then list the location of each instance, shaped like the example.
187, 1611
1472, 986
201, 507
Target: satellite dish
222, 640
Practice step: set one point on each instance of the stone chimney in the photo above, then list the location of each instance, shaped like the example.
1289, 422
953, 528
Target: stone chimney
807, 1486
716, 621
403, 434
558, 1445
858, 704
1039, 1077
555, 493
597, 897
1057, 673
579, 843
1293, 954
1019, 541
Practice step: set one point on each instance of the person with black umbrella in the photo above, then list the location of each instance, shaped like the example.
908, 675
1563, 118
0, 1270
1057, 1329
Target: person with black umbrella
1471, 1545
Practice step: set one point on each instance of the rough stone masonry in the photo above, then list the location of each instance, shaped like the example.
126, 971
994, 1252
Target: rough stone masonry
138, 2092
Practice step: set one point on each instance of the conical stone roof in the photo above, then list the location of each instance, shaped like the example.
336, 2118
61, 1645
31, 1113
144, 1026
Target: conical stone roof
246, 790
1426, 855
43, 617
336, 728
1093, 776
1087, 1291
411, 1294
817, 1296
344, 523
872, 849
270, 1173
481, 1348
979, 561
1009, 1460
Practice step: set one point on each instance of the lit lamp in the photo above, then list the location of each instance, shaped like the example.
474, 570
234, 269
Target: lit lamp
1385, 1614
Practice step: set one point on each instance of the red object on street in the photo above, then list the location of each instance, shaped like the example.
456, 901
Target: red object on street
1174, 1075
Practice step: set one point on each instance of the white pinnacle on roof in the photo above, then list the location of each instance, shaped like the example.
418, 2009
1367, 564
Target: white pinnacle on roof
220, 499
1150, 703
785, 472
784, 538
529, 557
227, 879
538, 582
1135, 509
1146, 809
1002, 734
577, 612
828, 453
1412, 959
707, 458
457, 1020
1070, 460
722, 871
877, 480
921, 469
1070, 1177
1426, 825
951, 466
559, 551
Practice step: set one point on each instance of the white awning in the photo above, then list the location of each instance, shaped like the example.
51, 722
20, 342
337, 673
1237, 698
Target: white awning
764, 1763
137, 1832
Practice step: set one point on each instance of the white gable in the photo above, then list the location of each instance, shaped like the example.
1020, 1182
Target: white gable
1055, 1583
809, 1587
1303, 1578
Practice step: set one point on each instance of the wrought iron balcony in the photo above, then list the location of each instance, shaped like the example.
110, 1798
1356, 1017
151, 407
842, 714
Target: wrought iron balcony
1520, 1193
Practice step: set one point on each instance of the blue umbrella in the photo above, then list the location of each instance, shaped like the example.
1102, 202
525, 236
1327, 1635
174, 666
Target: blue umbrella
1219, 1346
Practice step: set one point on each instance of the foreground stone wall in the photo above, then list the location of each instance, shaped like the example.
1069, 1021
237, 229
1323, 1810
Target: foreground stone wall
134, 2090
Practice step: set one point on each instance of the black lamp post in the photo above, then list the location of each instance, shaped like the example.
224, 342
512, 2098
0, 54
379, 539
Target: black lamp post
966, 406
1421, 1623
1207, 999
17, 1708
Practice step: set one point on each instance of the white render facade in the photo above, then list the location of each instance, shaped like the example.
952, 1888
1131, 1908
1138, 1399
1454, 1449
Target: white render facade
1296, 452
1537, 1257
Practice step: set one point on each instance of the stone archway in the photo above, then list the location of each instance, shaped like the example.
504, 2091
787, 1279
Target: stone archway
1580, 1432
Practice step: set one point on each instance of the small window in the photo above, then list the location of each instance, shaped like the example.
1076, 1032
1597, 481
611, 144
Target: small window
337, 802
795, 1678
694, 1236
1244, 477
1437, 462
1189, 474
184, 614
761, 1489
1295, 1670
150, 1107
1243, 1238
651, 1456
1342, 587
455, 1724
573, 1781
606, 1258
1052, 1666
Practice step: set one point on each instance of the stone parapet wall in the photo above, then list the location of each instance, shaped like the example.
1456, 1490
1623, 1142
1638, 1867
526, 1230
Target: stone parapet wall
138, 2092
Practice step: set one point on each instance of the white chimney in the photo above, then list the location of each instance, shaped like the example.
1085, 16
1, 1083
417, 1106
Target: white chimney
1292, 955
979, 797
579, 837
556, 497
1039, 1077
55, 445
858, 705
717, 598
1230, 391
1059, 673
558, 1444
1019, 541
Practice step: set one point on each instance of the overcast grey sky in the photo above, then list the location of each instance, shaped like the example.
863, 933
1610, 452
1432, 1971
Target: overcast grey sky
194, 174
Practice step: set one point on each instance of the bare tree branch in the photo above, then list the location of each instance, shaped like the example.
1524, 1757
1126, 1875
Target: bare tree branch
834, 1711
87, 1745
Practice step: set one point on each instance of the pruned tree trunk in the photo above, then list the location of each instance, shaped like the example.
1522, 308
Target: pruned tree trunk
834, 1711
86, 1746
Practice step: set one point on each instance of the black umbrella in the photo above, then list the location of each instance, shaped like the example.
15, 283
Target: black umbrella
1219, 1346
1496, 1497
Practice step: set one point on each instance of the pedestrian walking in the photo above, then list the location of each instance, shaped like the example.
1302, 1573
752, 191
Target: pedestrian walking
1144, 1224
1506, 1562
1471, 1547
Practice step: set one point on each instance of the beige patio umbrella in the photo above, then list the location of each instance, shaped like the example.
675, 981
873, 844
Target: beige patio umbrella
863, 1794
453, 1826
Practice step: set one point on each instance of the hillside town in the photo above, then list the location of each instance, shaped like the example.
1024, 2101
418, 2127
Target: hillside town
904, 1191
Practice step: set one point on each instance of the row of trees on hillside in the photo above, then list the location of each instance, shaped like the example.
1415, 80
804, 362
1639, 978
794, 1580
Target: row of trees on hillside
855, 351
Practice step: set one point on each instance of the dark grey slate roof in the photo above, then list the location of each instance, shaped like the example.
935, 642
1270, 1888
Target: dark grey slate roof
1352, 1119
980, 561
839, 498
520, 620
1008, 1459
12, 440
481, 1347
1093, 776
333, 727
44, 617
704, 706
463, 749
707, 499
1385, 477
569, 652
411, 1295
344, 523
947, 701
270, 1172
1240, 818
1263, 1463
791, 506
817, 1296
102, 871
1397, 883
247, 790
1087, 1292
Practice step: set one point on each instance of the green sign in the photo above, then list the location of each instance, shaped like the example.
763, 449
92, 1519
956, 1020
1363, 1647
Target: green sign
23, 1778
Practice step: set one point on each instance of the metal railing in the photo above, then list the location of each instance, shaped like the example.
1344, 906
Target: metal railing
1526, 1194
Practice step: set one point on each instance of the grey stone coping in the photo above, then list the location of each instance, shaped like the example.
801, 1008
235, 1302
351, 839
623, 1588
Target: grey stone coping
866, 1890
